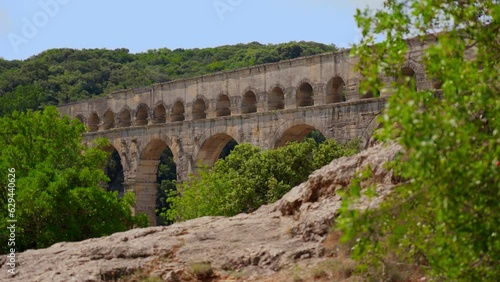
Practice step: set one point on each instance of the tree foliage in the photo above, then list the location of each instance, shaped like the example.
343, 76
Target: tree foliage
249, 178
446, 217
114, 171
68, 75
166, 178
57, 195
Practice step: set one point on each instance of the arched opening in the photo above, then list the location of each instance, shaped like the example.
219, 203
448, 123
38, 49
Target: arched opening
408, 76
114, 171
146, 186
276, 100
160, 114
141, 117
80, 118
166, 178
369, 94
227, 149
108, 120
372, 141
216, 147
368, 135
125, 120
249, 103
437, 86
177, 112
297, 133
317, 136
304, 95
199, 109
335, 91
223, 106
93, 122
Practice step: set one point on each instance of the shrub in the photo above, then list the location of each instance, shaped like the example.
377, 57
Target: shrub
249, 178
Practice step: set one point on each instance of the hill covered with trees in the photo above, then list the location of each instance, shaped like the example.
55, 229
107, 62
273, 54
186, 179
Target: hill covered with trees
60, 76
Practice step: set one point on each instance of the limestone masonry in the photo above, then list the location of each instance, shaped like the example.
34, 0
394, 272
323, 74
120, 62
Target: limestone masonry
266, 105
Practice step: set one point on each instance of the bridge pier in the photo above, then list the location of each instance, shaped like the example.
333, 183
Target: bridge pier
145, 199
290, 101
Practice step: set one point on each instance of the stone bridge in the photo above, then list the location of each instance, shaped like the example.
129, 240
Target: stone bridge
266, 105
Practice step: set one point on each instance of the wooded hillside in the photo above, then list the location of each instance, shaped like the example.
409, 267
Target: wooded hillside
60, 76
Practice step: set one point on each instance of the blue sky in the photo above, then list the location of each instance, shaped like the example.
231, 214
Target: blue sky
28, 27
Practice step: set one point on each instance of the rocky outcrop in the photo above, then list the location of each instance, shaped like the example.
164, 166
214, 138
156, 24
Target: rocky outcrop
274, 237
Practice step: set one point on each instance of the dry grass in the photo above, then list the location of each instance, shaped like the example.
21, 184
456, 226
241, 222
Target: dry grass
333, 247
202, 271
342, 267
139, 276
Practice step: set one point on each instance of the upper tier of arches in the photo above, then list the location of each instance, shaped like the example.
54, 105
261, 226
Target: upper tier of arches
249, 101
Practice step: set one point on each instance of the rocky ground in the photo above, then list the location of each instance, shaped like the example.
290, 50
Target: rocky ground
285, 241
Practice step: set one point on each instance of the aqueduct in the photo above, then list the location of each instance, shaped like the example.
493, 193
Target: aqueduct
266, 105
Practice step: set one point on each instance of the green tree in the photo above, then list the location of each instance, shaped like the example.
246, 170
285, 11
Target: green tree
446, 217
21, 99
166, 178
114, 171
249, 178
57, 195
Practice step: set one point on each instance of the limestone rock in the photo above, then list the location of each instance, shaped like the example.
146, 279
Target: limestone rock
257, 244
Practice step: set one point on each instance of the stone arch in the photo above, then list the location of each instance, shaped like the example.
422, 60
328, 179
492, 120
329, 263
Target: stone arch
436, 84
199, 110
408, 72
335, 90
152, 151
276, 98
211, 148
115, 172
124, 118
108, 120
141, 115
369, 94
249, 102
417, 71
80, 118
178, 111
223, 106
305, 93
436, 87
308, 125
367, 135
416, 68
93, 122
160, 114
114, 145
294, 133
145, 186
